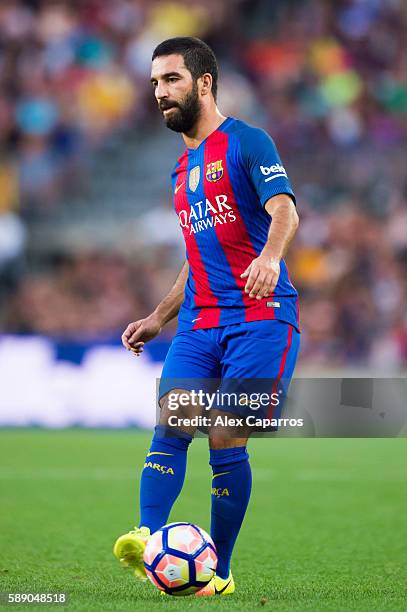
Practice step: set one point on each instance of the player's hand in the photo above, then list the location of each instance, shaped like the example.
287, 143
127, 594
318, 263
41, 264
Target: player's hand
138, 333
262, 276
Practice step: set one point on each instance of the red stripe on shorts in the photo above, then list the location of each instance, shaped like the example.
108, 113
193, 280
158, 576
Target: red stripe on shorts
281, 369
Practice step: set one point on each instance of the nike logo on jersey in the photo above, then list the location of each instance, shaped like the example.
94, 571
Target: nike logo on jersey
276, 170
178, 187
198, 319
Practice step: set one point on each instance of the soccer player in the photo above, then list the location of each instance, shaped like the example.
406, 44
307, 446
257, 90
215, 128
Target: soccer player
237, 309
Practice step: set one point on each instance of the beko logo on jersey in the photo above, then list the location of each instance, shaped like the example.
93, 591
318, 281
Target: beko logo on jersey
276, 170
203, 215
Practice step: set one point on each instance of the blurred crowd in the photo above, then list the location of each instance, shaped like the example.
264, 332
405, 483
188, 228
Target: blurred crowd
326, 78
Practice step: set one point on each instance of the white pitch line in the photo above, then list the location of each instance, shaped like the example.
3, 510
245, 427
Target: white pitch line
259, 474
67, 474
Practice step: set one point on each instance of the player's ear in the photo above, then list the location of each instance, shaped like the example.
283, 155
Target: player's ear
206, 84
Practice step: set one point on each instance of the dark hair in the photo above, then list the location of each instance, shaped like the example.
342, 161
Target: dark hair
198, 57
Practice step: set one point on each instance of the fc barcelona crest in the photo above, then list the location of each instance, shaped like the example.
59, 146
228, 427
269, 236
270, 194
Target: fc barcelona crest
194, 177
214, 171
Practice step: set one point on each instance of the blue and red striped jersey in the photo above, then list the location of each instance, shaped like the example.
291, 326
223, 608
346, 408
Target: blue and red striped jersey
220, 190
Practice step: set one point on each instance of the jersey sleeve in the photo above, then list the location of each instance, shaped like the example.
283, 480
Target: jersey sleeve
263, 165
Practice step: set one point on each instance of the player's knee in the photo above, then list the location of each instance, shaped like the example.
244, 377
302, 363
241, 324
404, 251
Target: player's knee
176, 414
219, 441
169, 406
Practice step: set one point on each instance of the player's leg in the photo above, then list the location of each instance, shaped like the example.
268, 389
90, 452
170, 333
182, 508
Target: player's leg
265, 350
161, 482
163, 474
191, 357
230, 494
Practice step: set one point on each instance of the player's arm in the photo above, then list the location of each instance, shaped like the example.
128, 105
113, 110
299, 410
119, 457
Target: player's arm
139, 332
263, 272
269, 178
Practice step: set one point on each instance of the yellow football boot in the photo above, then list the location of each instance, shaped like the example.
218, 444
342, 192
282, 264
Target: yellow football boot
129, 549
218, 586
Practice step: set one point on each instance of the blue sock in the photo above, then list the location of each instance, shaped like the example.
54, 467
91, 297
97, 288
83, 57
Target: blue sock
231, 488
162, 477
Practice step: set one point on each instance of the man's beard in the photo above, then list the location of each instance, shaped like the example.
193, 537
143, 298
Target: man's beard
186, 112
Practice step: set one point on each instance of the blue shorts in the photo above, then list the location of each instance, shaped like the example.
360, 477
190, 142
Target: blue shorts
256, 356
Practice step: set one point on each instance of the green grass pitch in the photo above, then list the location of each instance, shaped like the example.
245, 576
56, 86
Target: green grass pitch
325, 530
